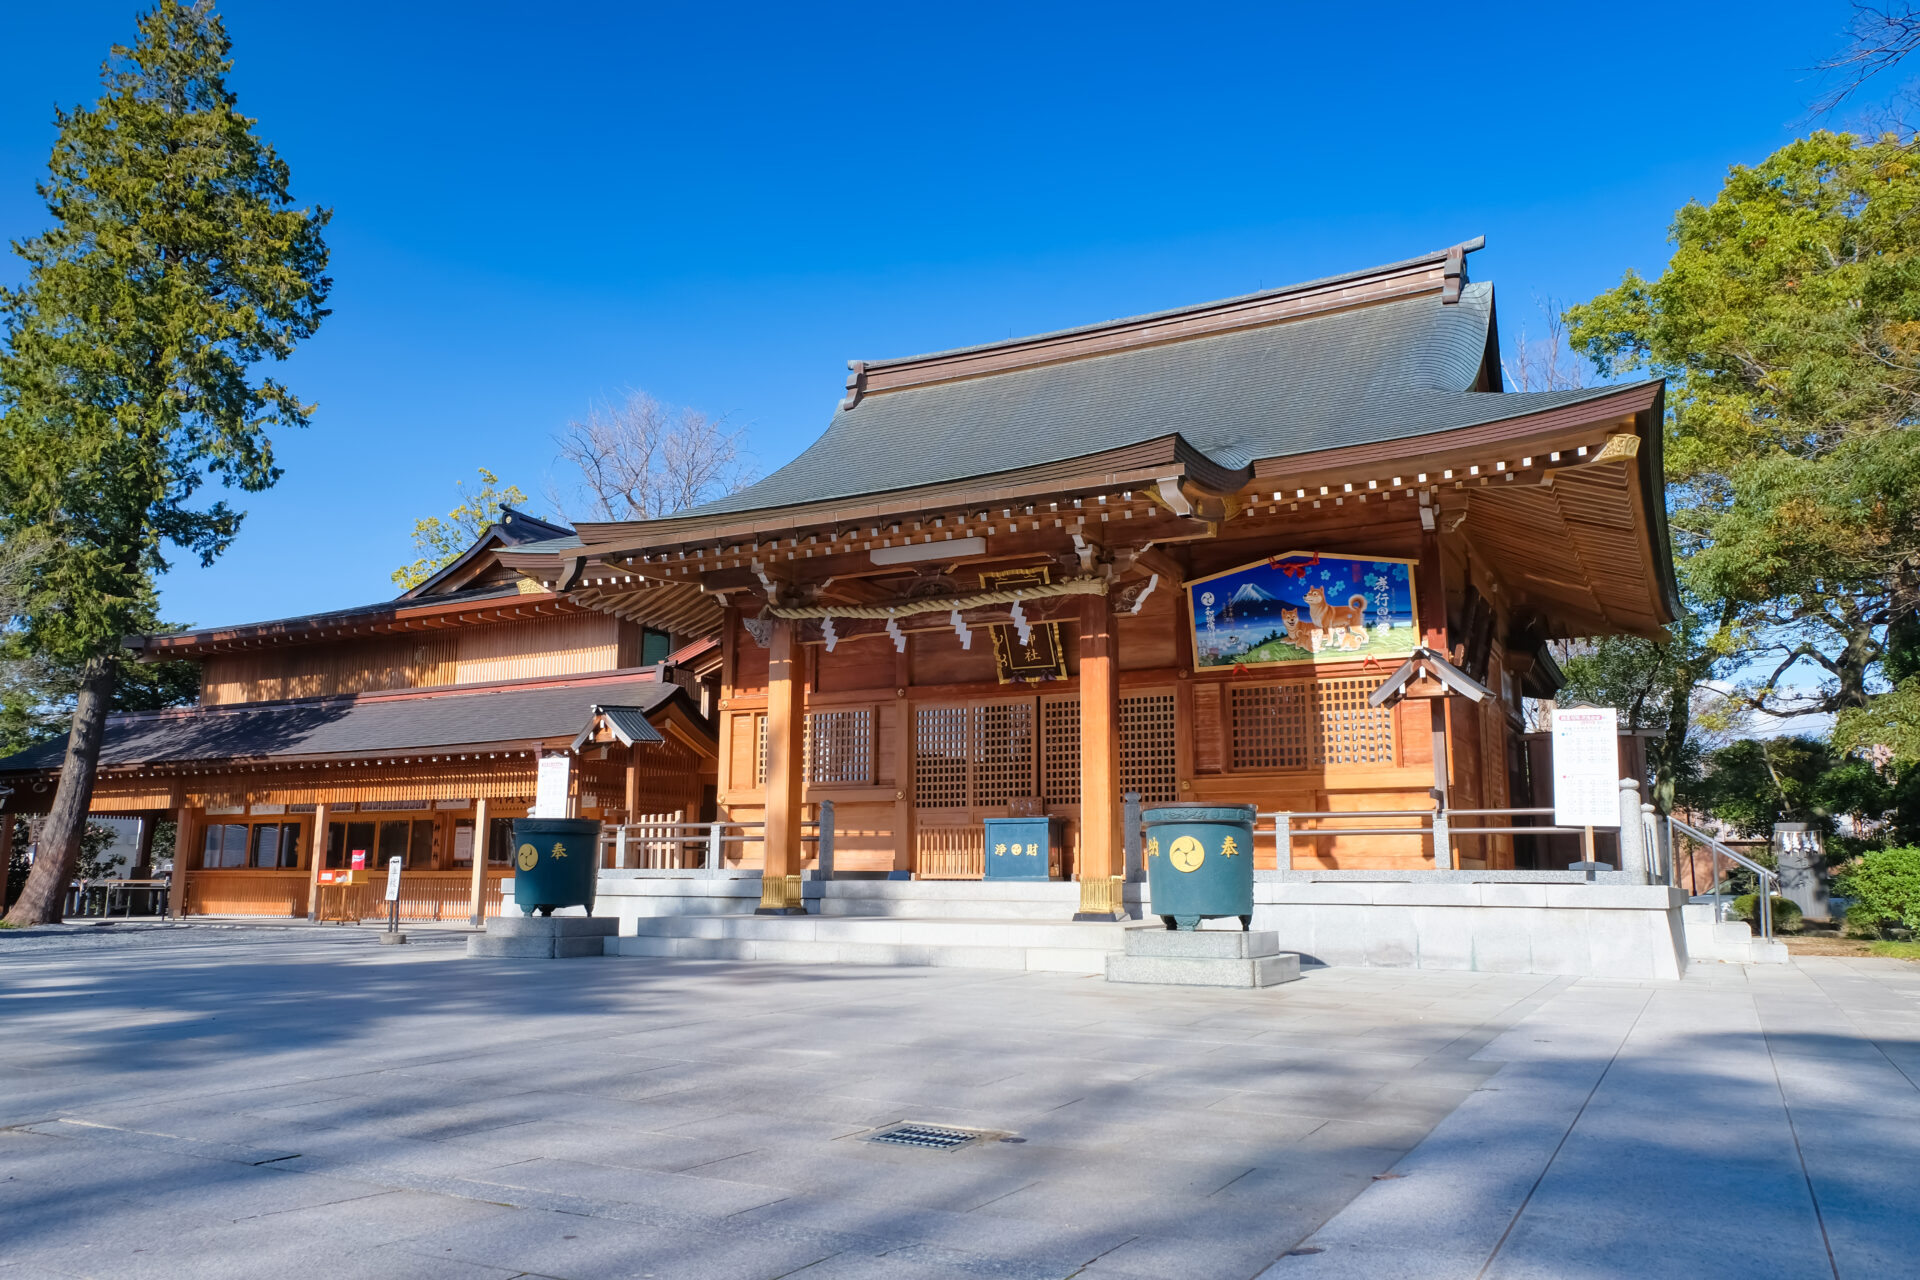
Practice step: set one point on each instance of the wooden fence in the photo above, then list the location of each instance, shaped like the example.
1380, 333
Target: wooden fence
424, 895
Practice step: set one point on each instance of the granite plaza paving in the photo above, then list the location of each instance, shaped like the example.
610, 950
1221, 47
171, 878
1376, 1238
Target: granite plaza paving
195, 1101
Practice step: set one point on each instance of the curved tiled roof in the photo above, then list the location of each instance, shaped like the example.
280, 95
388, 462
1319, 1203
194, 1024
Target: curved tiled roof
370, 723
1377, 372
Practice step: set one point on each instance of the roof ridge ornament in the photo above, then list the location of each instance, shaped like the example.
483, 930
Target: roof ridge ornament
1454, 276
856, 383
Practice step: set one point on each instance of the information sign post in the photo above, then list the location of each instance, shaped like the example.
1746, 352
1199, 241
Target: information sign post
393, 933
1586, 762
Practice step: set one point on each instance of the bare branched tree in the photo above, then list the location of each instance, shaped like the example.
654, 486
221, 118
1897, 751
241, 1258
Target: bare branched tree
639, 459
1881, 39
1545, 363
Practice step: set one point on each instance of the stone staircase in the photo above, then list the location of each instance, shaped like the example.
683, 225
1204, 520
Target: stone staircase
1052, 900
974, 924
1711, 941
1058, 946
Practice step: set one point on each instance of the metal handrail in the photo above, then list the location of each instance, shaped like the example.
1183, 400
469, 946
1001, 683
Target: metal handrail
1437, 824
710, 837
1768, 880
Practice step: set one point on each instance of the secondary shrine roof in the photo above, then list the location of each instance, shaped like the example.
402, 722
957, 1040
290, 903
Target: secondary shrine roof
369, 724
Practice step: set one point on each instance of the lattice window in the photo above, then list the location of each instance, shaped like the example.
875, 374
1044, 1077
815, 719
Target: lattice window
840, 747
1060, 751
1308, 725
1270, 726
1351, 732
1003, 752
1146, 748
941, 747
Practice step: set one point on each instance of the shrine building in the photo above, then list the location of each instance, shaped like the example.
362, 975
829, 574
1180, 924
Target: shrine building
1173, 555
411, 729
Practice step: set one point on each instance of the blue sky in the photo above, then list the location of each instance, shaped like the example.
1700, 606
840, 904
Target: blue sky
536, 206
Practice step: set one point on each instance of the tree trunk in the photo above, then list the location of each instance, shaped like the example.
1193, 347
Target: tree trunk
44, 899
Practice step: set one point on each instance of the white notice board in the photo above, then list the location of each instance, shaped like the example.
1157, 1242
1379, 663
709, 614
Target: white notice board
550, 788
393, 879
1586, 767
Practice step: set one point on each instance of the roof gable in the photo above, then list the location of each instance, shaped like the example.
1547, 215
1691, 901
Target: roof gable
1294, 386
514, 528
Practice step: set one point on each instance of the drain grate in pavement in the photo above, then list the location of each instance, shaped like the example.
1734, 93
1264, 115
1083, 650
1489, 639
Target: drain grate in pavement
928, 1137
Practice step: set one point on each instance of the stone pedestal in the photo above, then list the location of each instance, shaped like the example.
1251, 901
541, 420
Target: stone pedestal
1203, 958
544, 937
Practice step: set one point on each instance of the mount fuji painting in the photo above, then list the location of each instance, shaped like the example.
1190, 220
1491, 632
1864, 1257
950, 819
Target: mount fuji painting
1303, 606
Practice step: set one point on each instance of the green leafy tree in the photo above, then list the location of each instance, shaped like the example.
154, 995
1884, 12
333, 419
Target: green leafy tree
1884, 885
442, 541
1660, 684
177, 262
1752, 784
1788, 323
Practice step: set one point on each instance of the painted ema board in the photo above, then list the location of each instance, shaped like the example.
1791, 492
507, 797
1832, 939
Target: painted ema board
1586, 767
1303, 607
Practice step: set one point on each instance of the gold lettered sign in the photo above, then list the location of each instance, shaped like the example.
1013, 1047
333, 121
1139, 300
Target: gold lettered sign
1039, 657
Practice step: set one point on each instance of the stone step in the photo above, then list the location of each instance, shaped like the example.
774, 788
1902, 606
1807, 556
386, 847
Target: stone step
940, 931
544, 937
1050, 945
1204, 971
1711, 941
969, 899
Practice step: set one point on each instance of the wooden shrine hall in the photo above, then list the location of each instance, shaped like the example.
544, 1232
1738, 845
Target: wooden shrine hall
1173, 555
410, 729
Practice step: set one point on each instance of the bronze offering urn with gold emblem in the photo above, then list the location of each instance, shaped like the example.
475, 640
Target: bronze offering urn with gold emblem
555, 863
1200, 862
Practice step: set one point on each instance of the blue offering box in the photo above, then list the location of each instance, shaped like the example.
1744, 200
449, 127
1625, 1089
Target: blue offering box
1022, 848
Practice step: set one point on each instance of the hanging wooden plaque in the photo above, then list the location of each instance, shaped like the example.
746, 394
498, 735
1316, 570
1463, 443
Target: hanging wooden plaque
1039, 657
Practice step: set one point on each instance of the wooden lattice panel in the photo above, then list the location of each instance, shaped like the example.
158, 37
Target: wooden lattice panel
840, 747
950, 853
1060, 751
1351, 732
941, 743
1146, 748
1003, 752
760, 750
1308, 725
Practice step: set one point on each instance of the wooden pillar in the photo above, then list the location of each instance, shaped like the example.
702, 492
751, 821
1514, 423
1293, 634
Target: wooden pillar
477, 900
1431, 588
1101, 857
142, 868
186, 834
316, 859
906, 839
631, 796
786, 726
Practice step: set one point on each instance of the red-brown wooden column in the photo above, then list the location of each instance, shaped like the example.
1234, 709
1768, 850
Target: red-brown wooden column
186, 834
477, 891
1101, 857
786, 725
316, 859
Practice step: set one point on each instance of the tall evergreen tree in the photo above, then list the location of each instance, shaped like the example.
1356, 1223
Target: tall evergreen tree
177, 262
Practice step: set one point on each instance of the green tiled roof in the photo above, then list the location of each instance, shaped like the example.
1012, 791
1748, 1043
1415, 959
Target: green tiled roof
1385, 371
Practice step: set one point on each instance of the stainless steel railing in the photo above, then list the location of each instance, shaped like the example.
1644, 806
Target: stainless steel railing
1768, 882
1436, 825
701, 846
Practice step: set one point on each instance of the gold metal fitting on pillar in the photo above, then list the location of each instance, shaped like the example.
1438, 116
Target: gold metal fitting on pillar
781, 896
1102, 898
